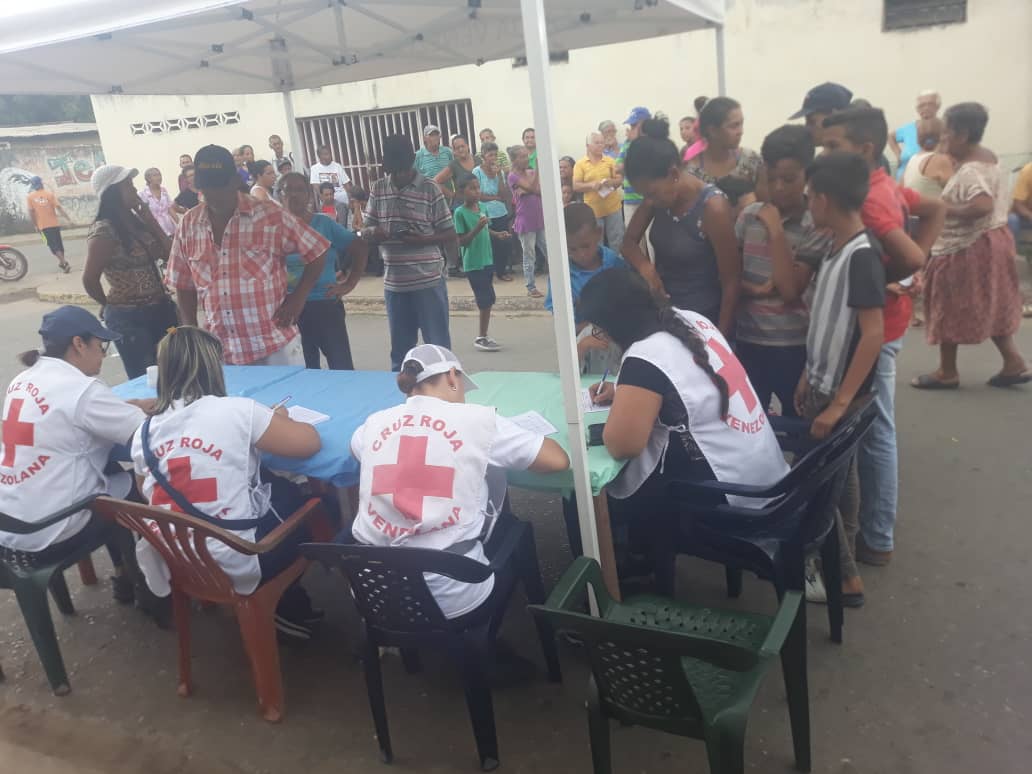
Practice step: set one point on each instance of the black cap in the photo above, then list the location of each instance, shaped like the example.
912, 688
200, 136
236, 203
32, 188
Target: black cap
826, 98
213, 167
69, 321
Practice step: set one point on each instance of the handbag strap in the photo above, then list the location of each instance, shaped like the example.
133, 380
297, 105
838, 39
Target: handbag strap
235, 525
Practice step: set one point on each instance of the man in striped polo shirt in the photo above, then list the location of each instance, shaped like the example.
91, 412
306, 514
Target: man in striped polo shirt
409, 218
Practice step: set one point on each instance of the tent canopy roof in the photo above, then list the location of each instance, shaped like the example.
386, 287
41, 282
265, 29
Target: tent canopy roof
254, 46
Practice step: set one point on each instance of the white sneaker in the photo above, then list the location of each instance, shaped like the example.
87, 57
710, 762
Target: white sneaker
486, 344
815, 591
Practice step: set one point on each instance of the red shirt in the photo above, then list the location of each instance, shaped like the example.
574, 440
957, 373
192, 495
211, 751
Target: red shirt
886, 209
241, 283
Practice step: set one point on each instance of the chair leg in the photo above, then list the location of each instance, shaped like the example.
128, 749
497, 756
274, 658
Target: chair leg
87, 574
793, 667
258, 629
535, 591
598, 732
410, 658
59, 590
725, 747
181, 614
473, 661
733, 578
32, 599
832, 567
374, 687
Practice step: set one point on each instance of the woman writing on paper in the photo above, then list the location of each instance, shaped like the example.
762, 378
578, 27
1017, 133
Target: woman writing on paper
217, 473
433, 470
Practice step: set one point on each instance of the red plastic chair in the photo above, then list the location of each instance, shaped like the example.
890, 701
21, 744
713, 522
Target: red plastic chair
180, 539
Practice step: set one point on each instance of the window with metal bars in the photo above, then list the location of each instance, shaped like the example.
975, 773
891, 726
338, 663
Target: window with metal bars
909, 14
356, 139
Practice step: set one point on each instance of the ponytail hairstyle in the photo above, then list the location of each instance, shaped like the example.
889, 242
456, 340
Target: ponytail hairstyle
620, 303
714, 113
409, 373
257, 168
189, 367
56, 348
652, 155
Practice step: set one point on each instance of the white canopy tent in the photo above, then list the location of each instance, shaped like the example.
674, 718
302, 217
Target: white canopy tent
246, 47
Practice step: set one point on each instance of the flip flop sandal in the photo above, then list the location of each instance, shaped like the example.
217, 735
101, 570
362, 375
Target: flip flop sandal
1010, 380
929, 382
65, 267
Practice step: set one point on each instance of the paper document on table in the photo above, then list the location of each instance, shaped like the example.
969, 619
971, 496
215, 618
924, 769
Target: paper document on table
534, 422
306, 415
587, 402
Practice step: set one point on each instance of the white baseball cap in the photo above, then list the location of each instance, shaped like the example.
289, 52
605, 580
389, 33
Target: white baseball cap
437, 360
431, 129
110, 174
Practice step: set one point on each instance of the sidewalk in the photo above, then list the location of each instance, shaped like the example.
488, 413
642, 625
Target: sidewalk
76, 232
367, 298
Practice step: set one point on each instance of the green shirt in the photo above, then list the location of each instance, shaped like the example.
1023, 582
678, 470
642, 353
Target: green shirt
477, 254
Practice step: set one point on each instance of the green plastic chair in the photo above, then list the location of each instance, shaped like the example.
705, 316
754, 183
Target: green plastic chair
690, 671
30, 582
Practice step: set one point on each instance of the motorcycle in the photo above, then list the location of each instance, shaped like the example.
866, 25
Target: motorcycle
13, 264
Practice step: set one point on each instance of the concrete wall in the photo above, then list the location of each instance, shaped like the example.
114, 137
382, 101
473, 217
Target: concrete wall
776, 49
64, 162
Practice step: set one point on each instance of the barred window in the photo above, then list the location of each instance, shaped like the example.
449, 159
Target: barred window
911, 14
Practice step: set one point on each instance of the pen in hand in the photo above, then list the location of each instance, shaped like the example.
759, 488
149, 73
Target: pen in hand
598, 389
282, 403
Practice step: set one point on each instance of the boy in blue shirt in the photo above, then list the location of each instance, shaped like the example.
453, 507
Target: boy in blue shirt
588, 257
322, 322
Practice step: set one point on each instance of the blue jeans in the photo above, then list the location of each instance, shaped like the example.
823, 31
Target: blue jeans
141, 328
612, 226
877, 460
530, 241
1015, 223
413, 311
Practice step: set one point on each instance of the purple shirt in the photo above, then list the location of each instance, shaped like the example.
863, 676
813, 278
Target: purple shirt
529, 214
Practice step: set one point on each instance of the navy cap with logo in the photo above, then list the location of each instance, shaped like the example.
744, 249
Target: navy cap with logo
213, 167
826, 98
68, 321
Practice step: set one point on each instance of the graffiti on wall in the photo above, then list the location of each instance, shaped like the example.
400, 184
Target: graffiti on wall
66, 169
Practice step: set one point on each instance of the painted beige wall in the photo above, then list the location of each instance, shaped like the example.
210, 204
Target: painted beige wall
776, 50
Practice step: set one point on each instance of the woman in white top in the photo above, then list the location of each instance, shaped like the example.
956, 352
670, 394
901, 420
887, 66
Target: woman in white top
683, 407
432, 470
206, 446
264, 175
60, 424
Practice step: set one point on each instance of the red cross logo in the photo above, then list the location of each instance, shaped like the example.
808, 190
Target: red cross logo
16, 432
734, 375
410, 480
196, 490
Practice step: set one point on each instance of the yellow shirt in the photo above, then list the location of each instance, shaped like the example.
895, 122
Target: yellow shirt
1023, 187
588, 171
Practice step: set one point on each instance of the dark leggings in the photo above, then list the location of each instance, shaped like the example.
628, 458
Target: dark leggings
501, 249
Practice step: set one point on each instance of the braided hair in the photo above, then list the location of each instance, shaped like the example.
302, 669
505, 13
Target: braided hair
620, 303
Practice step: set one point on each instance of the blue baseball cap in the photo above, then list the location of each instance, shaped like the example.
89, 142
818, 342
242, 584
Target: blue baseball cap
638, 115
36, 183
69, 321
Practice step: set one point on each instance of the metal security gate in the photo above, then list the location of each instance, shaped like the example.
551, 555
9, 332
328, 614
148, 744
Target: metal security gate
357, 138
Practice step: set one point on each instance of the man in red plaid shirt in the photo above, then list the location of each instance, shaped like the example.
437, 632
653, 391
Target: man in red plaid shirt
230, 254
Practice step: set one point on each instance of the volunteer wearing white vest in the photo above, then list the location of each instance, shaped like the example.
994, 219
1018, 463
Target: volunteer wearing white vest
683, 407
432, 470
60, 423
206, 447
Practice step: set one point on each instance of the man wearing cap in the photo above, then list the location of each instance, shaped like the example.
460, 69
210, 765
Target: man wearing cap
43, 209
433, 157
409, 218
230, 254
819, 103
631, 199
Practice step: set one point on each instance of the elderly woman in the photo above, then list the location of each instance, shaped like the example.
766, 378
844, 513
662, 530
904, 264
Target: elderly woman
610, 145
597, 177
905, 143
154, 195
971, 284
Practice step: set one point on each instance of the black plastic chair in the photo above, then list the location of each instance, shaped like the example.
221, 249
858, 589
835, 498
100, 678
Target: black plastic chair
20, 572
773, 541
398, 610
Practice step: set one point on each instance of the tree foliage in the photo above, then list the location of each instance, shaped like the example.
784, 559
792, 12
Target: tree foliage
26, 109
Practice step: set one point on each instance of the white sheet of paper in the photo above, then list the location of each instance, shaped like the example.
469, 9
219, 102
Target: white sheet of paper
534, 422
306, 415
587, 403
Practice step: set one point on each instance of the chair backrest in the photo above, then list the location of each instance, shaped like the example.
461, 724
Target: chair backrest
181, 540
388, 584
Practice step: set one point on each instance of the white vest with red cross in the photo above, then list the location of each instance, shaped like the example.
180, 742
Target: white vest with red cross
205, 451
740, 448
48, 461
423, 468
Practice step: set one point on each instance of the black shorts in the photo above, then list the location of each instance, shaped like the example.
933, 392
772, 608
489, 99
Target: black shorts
54, 241
482, 282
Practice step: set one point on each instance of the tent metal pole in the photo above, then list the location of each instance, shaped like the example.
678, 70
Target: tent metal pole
721, 62
535, 36
294, 136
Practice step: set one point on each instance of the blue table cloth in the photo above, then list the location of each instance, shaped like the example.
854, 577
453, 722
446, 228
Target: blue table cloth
241, 382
